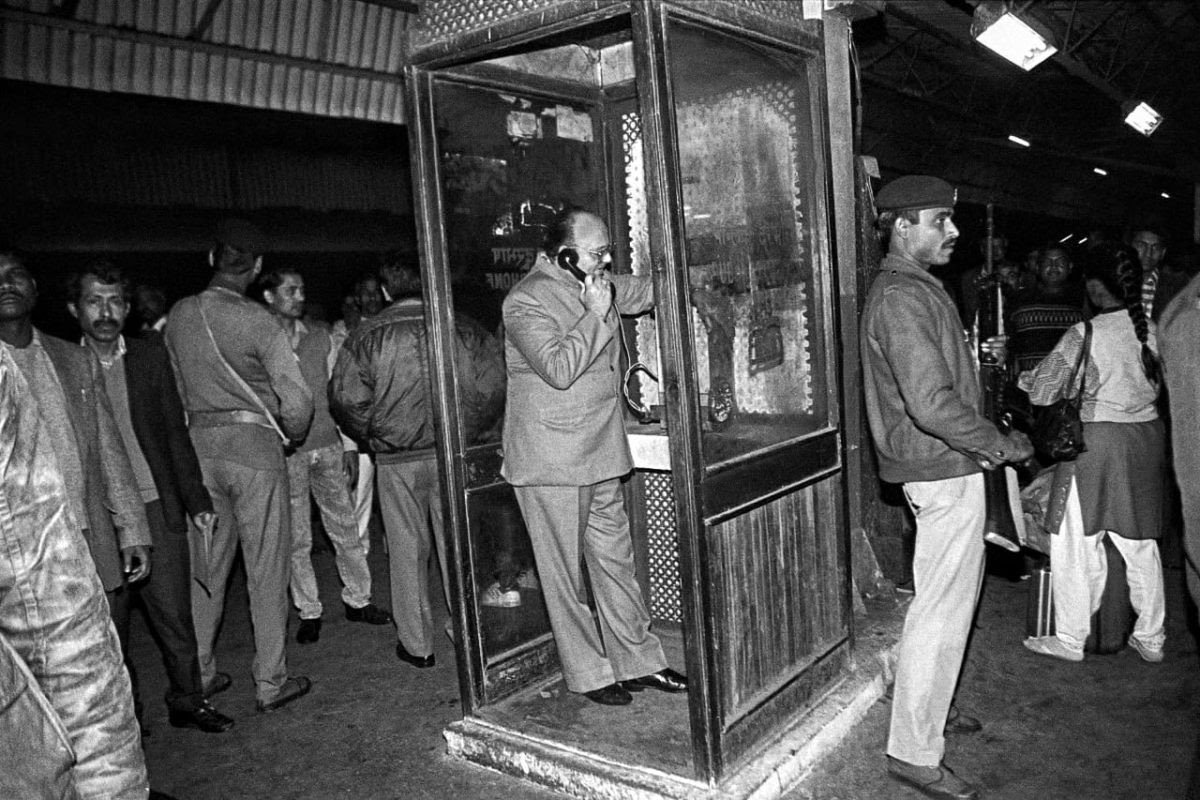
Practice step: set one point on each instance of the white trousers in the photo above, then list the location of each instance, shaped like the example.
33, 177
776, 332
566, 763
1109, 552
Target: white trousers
947, 577
364, 498
1079, 569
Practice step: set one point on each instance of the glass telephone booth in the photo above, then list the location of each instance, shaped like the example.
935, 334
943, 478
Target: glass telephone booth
700, 131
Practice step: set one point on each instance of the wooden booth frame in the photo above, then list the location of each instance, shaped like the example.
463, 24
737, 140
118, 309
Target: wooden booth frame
793, 498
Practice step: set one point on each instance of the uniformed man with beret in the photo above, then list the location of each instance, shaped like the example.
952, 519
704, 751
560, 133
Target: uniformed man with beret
923, 403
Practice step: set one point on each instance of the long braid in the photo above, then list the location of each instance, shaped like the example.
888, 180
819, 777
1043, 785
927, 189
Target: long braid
1129, 273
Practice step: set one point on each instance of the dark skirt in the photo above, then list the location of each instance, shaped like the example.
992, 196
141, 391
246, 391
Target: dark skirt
1120, 478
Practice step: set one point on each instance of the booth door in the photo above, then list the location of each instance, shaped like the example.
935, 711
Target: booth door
504, 161
735, 133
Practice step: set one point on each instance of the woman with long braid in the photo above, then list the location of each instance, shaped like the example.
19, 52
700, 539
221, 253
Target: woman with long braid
1116, 485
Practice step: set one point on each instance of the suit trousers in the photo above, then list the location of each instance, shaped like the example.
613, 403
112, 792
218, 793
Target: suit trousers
947, 578
321, 474
167, 600
570, 525
410, 497
253, 511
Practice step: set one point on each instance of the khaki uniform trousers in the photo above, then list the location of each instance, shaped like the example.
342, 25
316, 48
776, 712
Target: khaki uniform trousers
947, 577
253, 511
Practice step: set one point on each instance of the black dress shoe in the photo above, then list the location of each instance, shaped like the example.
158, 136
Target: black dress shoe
420, 662
612, 695
292, 689
203, 717
665, 680
309, 631
370, 614
220, 682
937, 781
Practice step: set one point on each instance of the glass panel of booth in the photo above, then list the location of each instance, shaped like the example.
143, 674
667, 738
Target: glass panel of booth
508, 161
749, 169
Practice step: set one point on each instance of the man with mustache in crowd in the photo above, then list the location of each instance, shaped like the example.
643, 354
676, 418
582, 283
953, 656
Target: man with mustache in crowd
322, 467
923, 403
149, 416
67, 481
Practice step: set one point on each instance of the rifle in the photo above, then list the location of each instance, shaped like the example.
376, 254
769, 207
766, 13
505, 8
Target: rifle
999, 528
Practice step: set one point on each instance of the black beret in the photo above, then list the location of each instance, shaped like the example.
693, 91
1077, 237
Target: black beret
245, 236
914, 192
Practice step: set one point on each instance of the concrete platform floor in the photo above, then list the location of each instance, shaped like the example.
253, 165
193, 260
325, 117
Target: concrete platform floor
1109, 728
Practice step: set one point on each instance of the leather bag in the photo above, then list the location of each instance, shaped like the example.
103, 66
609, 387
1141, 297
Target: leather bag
1057, 429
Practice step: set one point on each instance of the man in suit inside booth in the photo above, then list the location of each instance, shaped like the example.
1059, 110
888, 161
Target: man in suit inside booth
149, 417
565, 453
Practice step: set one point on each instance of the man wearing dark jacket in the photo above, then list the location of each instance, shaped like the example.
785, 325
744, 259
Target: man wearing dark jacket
150, 420
923, 403
380, 396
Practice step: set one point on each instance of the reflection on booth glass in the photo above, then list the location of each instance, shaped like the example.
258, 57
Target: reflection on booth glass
746, 136
508, 163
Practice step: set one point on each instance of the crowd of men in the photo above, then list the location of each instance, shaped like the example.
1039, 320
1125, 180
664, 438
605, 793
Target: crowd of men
136, 468
143, 464
138, 464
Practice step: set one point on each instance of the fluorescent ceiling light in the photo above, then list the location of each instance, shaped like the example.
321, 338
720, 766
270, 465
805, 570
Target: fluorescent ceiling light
1099, 171
1019, 140
1164, 195
1004, 33
1066, 238
1142, 118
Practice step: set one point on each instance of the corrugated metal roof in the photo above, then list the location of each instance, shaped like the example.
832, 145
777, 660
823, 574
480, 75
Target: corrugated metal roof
341, 58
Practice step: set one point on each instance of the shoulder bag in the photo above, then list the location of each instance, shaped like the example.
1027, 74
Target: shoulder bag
1057, 428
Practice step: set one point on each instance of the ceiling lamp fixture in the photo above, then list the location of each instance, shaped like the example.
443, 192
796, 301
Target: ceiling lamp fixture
1164, 195
1018, 140
1100, 171
997, 28
1141, 117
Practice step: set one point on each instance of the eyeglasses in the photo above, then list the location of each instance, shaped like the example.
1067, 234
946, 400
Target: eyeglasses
599, 255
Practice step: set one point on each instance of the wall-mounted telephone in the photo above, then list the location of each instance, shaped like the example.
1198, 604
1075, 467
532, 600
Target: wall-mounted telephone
568, 259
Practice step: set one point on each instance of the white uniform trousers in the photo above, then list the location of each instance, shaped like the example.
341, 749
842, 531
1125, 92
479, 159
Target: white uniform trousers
947, 577
1079, 569
364, 498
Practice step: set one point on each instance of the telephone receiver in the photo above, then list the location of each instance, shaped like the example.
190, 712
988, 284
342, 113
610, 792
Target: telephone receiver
568, 259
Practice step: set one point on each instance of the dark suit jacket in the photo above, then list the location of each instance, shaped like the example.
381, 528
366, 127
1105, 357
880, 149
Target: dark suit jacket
158, 424
116, 517
1170, 283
